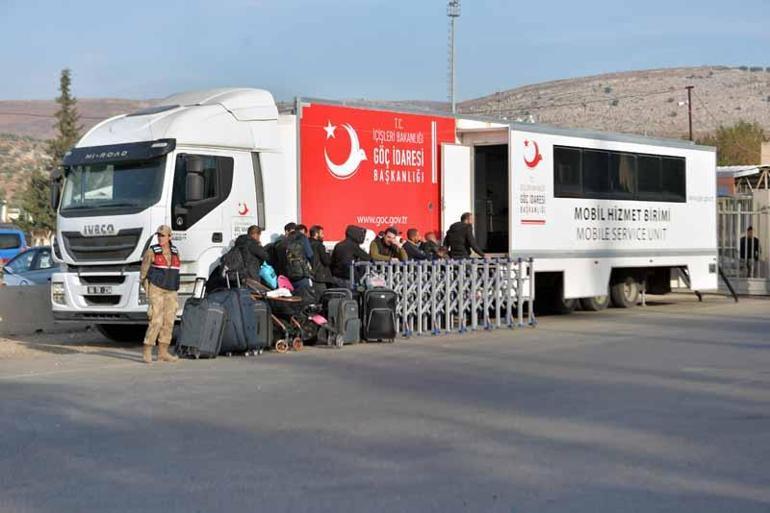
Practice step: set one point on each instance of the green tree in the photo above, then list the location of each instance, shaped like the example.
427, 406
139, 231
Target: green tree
35, 203
67, 124
35, 200
739, 144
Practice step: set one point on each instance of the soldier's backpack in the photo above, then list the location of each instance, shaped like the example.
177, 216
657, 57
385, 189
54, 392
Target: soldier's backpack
297, 266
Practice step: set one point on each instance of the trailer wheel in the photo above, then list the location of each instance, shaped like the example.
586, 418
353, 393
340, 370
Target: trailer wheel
124, 333
595, 304
625, 293
564, 306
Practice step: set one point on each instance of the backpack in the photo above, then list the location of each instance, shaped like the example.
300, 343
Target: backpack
233, 261
297, 266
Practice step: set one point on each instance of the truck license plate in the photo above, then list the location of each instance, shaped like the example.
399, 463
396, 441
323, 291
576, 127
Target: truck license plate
99, 290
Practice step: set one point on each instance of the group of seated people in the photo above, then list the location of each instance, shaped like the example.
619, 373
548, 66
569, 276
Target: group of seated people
301, 256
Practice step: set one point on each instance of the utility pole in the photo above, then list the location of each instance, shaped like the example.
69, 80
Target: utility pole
689, 107
453, 11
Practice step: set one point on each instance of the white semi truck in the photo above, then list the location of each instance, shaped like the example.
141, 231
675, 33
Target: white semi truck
603, 215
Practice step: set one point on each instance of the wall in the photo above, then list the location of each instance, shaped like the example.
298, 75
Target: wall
25, 310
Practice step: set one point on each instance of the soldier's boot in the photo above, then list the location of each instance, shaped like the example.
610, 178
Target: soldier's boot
147, 353
164, 355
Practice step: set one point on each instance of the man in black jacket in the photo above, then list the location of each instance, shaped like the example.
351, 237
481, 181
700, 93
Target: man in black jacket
252, 251
459, 238
276, 250
349, 251
322, 260
430, 245
412, 245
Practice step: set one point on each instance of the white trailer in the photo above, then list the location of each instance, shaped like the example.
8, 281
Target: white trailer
605, 216
211, 163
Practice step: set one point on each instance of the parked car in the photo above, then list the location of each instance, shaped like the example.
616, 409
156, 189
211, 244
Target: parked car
12, 242
31, 267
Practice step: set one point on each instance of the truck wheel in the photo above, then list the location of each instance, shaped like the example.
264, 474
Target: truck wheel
595, 304
625, 293
123, 332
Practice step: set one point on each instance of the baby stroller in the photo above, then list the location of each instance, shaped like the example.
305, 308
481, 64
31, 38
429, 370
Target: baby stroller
293, 322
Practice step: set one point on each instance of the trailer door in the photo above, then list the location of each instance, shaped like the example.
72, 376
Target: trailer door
456, 191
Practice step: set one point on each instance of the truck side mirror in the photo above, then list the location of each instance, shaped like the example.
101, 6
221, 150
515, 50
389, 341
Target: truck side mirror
194, 185
55, 194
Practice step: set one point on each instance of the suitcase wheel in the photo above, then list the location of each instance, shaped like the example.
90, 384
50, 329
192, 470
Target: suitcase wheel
281, 346
339, 341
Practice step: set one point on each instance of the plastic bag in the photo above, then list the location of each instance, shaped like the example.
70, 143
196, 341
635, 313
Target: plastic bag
267, 273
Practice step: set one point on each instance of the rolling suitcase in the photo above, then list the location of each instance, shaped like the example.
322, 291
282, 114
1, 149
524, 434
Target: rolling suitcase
334, 293
379, 314
248, 327
256, 322
203, 324
343, 323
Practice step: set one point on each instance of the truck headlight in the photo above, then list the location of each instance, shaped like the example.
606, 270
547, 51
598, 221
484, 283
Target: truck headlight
142, 297
58, 295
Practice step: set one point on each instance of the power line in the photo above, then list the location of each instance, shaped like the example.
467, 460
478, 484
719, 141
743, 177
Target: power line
718, 123
570, 104
49, 116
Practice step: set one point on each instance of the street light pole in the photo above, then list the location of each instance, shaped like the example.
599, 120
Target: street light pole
453, 11
689, 107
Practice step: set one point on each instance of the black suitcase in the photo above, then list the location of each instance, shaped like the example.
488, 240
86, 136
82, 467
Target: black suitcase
379, 314
203, 324
248, 327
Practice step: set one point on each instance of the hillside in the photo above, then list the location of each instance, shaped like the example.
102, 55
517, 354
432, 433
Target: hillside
652, 102
34, 118
19, 156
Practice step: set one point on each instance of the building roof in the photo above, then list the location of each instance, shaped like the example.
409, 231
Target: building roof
740, 171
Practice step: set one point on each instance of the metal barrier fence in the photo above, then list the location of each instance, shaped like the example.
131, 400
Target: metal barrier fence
437, 296
741, 255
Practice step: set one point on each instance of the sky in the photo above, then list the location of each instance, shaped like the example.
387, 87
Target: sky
375, 49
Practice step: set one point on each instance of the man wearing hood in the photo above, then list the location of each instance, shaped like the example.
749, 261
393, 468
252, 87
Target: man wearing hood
459, 238
348, 251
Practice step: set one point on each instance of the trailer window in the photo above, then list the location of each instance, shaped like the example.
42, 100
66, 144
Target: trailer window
567, 170
648, 175
672, 179
596, 177
599, 174
622, 175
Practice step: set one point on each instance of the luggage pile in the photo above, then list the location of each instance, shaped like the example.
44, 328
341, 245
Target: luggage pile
250, 319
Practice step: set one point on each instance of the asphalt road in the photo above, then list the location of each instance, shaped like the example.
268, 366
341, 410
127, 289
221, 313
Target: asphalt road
659, 409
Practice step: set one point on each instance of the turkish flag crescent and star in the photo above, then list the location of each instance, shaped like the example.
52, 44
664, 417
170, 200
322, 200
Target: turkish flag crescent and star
371, 168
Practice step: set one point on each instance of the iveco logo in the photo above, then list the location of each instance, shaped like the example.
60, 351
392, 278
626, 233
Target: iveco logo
92, 230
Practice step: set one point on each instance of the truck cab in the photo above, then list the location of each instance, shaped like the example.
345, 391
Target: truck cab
199, 162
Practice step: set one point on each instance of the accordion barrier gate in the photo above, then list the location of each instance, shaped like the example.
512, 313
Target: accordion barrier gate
436, 296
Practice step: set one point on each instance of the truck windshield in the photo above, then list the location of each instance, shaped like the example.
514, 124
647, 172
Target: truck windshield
113, 185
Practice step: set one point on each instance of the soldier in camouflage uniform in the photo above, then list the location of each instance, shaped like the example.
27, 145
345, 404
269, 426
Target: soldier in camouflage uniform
160, 277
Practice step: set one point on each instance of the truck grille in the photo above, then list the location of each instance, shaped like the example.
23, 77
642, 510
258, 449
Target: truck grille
102, 300
108, 247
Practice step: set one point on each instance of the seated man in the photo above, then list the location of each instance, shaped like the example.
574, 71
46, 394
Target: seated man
430, 245
347, 252
412, 245
387, 248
